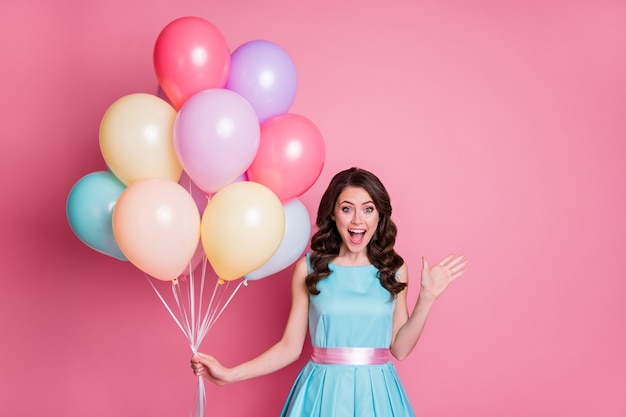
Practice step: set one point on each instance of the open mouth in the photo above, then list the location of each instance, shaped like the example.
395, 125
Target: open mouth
356, 235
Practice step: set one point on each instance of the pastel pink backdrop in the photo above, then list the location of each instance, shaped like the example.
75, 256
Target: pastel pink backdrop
498, 128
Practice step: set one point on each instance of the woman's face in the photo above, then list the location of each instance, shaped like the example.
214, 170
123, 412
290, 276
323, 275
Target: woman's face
356, 218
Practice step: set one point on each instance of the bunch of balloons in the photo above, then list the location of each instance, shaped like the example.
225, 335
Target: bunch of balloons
212, 166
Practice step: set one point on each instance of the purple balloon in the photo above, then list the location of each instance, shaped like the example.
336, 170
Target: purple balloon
264, 74
216, 137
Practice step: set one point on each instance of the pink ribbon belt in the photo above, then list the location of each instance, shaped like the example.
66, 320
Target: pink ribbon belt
350, 356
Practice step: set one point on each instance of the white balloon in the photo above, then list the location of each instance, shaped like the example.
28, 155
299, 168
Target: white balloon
294, 242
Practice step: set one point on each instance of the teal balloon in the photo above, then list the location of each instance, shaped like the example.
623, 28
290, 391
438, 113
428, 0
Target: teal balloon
90, 205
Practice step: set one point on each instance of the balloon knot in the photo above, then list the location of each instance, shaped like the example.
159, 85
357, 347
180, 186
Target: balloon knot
245, 282
220, 281
175, 282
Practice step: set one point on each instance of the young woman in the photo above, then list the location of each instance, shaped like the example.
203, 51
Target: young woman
351, 295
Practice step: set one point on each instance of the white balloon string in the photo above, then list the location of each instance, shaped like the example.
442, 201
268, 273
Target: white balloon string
210, 309
182, 311
200, 332
226, 304
195, 316
199, 335
192, 307
200, 399
221, 289
213, 303
165, 304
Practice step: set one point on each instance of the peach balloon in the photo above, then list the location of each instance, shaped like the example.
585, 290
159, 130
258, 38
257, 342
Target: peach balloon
157, 226
136, 139
242, 226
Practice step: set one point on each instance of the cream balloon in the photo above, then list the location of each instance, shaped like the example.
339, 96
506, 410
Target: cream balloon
242, 226
136, 139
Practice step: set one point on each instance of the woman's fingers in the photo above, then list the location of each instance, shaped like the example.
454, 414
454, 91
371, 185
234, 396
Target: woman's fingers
458, 266
454, 264
446, 260
197, 365
205, 359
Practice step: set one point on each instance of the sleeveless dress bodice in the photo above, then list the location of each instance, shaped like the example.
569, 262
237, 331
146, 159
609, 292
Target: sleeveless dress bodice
352, 310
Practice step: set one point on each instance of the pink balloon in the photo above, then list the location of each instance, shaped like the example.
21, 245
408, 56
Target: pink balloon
157, 227
290, 157
190, 55
216, 136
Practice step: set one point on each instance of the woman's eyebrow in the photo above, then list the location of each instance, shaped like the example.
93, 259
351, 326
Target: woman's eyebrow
349, 202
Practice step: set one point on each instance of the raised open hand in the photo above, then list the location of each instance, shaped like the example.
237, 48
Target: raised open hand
436, 279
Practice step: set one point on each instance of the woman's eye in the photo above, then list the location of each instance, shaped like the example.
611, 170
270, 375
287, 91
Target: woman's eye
369, 209
346, 209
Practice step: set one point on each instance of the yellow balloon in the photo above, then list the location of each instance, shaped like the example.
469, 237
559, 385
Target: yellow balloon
242, 226
137, 139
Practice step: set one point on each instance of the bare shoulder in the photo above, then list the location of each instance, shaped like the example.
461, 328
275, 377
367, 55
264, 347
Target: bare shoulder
298, 281
403, 273
301, 269
301, 264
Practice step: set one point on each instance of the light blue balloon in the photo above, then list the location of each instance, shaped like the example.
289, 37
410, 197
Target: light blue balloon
294, 242
90, 205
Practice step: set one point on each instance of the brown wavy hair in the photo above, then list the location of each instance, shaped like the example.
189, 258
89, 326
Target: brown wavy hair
326, 242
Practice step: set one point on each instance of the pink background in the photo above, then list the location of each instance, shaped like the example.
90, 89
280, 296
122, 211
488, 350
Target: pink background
498, 127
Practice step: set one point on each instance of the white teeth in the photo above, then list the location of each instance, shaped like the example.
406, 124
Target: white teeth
356, 231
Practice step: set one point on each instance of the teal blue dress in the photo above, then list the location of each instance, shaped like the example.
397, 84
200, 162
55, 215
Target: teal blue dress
352, 310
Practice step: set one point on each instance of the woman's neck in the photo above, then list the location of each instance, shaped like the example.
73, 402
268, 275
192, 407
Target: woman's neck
348, 258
